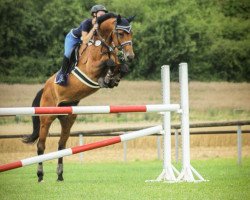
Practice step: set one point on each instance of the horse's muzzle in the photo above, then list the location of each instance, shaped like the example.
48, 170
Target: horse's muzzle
129, 57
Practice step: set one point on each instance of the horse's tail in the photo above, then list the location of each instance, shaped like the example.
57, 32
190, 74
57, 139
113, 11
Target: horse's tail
30, 139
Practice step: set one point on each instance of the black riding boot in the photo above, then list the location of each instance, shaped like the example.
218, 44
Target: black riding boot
62, 75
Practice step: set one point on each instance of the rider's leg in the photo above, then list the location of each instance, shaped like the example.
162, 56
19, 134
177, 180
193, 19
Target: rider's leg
65, 65
70, 42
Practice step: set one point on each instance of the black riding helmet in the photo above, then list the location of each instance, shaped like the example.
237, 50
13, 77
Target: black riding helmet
97, 8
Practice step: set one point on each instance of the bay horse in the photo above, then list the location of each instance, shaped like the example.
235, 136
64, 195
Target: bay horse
99, 65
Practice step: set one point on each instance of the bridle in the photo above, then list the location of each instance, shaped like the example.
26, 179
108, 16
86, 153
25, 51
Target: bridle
111, 49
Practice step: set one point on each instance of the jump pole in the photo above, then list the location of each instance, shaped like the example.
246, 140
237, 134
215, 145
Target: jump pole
87, 109
187, 170
81, 148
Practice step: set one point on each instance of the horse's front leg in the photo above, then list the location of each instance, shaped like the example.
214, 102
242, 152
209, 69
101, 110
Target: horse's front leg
45, 122
66, 124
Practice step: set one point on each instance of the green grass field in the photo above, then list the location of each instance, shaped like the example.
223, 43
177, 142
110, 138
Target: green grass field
120, 181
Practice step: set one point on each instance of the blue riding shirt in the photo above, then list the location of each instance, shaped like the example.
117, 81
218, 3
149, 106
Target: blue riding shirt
85, 26
74, 36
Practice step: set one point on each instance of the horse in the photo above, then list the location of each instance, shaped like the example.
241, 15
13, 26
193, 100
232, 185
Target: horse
100, 64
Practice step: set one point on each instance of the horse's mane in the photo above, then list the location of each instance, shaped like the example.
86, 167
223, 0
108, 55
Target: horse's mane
105, 17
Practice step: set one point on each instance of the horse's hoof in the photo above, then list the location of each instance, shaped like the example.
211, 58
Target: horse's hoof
60, 179
40, 176
40, 180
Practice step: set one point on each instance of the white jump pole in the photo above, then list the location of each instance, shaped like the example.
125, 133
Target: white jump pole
82, 148
168, 169
187, 170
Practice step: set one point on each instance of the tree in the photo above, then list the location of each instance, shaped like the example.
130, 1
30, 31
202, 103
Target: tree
212, 36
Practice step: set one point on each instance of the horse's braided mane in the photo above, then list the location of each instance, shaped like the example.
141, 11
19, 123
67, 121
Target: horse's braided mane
105, 17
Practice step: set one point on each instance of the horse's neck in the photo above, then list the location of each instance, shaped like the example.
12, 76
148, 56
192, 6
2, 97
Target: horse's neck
91, 58
106, 29
89, 61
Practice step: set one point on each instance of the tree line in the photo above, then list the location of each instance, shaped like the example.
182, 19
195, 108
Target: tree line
211, 35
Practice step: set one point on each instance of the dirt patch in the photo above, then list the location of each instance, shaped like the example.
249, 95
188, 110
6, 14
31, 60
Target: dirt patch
139, 149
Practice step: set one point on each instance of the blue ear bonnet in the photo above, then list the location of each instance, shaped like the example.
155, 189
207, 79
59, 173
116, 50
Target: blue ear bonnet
123, 24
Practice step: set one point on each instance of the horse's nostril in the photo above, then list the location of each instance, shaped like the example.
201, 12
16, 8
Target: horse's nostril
130, 57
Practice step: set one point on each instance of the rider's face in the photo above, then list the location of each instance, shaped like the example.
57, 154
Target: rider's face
100, 13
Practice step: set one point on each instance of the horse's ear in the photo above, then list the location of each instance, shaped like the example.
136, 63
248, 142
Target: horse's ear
118, 19
131, 18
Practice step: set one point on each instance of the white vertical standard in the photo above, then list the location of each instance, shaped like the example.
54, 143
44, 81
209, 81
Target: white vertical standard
187, 170
124, 151
239, 144
176, 133
81, 143
168, 169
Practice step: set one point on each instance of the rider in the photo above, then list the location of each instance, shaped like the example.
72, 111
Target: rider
83, 33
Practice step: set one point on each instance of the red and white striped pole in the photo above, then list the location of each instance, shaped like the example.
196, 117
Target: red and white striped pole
87, 109
82, 148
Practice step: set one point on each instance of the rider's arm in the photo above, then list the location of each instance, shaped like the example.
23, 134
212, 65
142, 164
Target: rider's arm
86, 36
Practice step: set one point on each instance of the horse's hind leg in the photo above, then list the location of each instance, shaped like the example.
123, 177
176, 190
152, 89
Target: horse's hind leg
66, 124
45, 122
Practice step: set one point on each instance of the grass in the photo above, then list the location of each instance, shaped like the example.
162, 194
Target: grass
117, 180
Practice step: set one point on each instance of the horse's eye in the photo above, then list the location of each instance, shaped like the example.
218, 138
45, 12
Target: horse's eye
121, 34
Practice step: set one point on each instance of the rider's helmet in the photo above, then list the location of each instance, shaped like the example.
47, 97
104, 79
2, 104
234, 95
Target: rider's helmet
97, 8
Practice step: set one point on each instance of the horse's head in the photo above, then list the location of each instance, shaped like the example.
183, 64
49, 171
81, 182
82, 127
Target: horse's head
116, 35
122, 37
